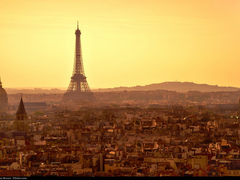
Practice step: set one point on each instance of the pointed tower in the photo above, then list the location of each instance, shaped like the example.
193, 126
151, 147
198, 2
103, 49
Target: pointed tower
21, 122
78, 89
3, 99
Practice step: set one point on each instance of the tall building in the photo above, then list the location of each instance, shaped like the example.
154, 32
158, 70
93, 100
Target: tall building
78, 89
3, 99
21, 122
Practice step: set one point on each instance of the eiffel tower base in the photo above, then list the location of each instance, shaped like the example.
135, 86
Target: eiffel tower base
78, 97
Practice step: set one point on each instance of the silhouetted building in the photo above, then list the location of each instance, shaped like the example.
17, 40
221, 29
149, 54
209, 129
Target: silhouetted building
3, 99
21, 122
35, 106
228, 107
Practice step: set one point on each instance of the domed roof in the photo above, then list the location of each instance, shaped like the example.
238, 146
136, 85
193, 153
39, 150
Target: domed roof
2, 91
3, 98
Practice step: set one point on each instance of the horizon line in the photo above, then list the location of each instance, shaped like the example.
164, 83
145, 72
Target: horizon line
94, 88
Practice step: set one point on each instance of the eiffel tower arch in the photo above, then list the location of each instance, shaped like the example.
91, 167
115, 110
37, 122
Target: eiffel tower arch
78, 89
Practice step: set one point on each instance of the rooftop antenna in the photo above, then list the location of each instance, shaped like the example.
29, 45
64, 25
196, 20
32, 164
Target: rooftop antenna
77, 25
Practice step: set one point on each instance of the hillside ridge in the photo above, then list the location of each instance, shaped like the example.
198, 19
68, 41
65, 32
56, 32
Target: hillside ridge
173, 86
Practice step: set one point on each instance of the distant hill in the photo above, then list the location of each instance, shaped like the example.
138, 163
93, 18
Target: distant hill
169, 86
173, 86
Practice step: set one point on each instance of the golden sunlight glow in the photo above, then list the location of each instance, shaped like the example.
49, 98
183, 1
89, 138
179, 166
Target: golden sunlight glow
124, 42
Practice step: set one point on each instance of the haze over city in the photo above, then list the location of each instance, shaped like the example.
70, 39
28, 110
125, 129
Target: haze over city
124, 43
119, 88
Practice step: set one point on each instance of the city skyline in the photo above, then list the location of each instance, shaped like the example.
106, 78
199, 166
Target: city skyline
124, 43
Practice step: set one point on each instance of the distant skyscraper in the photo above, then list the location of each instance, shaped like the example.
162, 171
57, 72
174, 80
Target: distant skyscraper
78, 89
3, 99
21, 122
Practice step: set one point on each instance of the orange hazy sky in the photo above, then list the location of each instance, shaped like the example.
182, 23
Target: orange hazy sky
124, 42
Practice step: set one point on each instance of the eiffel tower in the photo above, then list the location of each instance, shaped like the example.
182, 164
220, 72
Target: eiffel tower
78, 89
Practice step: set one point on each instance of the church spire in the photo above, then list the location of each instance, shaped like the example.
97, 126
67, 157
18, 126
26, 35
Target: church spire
21, 108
